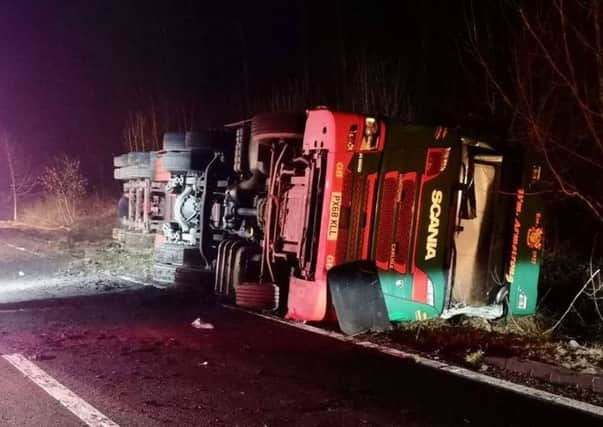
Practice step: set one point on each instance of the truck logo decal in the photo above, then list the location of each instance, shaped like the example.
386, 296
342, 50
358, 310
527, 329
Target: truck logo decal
535, 237
334, 212
434, 225
522, 300
515, 243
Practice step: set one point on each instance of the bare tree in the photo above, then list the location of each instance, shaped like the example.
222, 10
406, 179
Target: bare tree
21, 179
552, 85
140, 132
144, 128
65, 184
381, 86
289, 97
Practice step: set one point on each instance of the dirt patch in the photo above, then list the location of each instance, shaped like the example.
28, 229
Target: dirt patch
110, 258
86, 251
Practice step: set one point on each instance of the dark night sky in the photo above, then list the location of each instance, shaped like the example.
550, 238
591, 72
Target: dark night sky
71, 70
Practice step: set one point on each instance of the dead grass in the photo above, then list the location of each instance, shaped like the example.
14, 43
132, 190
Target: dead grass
96, 217
87, 246
96, 221
109, 258
469, 340
41, 212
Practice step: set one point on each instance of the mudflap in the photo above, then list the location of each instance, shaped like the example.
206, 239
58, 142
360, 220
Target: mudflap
357, 297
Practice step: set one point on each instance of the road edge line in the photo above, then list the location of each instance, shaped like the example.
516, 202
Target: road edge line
75, 404
141, 282
458, 371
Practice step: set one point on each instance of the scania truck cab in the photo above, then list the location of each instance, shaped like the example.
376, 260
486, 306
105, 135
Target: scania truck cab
370, 220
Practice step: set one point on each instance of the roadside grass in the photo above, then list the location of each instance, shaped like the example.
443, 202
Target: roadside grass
87, 244
95, 217
467, 341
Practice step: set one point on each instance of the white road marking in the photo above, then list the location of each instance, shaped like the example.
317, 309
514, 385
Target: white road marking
22, 249
139, 282
24, 310
442, 366
131, 280
79, 407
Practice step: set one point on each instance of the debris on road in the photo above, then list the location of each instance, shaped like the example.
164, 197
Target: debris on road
199, 324
574, 344
43, 356
474, 358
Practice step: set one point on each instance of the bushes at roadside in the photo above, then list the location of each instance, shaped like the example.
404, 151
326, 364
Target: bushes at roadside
95, 213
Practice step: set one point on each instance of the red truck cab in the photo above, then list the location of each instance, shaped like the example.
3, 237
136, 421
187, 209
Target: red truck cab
334, 221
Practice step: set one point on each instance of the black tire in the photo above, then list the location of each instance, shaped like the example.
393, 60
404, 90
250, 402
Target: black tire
175, 254
173, 141
135, 172
197, 140
117, 174
193, 276
164, 273
190, 160
120, 161
277, 126
181, 276
257, 296
142, 171
177, 161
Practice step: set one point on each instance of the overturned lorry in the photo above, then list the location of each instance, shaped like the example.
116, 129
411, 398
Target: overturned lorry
331, 215
370, 221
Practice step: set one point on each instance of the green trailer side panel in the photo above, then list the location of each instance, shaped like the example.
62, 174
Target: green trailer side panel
524, 290
526, 254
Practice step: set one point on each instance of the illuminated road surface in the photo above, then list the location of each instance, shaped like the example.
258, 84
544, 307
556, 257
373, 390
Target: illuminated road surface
135, 358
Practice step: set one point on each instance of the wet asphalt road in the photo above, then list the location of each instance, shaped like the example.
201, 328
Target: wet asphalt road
135, 357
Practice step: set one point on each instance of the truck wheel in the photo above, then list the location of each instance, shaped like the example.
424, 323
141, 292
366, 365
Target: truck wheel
194, 278
176, 254
134, 172
177, 161
277, 126
184, 161
138, 157
173, 141
197, 140
257, 296
117, 174
120, 161
164, 273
